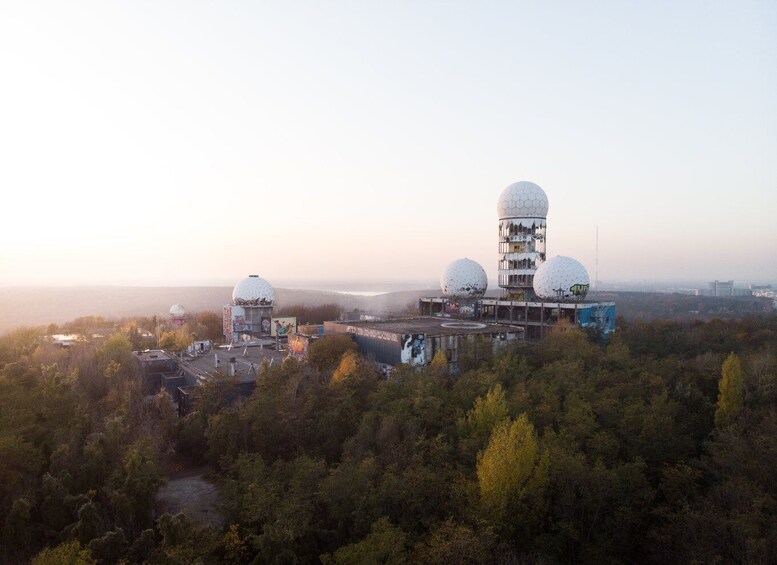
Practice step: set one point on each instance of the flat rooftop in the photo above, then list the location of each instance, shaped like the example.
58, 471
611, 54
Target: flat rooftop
522, 303
151, 355
432, 325
248, 359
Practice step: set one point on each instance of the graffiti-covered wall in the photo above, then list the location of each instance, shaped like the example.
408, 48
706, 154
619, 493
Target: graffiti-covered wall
299, 346
280, 327
413, 350
251, 320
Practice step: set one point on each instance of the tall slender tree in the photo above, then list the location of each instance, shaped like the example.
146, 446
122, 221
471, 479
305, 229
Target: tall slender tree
512, 473
731, 392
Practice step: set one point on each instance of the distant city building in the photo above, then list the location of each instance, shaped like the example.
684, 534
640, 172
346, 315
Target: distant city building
755, 288
721, 288
764, 291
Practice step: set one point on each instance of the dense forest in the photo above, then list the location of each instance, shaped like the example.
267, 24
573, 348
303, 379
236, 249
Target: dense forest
659, 446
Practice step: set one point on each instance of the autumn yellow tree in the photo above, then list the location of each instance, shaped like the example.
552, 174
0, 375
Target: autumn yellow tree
176, 340
68, 552
512, 473
731, 392
476, 426
439, 364
347, 368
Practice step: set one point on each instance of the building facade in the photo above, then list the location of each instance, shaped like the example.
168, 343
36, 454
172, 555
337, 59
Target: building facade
416, 341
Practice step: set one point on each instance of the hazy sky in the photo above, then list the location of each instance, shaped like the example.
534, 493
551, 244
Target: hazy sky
199, 142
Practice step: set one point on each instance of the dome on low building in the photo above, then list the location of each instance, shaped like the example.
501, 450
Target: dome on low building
177, 311
464, 278
253, 291
561, 279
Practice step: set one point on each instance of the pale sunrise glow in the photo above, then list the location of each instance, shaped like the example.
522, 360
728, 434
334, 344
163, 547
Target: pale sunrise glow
194, 142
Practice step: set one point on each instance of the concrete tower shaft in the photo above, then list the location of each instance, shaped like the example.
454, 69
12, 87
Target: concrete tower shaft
522, 209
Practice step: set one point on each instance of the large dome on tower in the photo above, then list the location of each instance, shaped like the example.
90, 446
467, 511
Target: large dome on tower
464, 278
253, 291
561, 279
522, 200
177, 311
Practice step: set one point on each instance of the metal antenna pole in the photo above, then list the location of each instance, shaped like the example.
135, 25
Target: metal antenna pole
596, 273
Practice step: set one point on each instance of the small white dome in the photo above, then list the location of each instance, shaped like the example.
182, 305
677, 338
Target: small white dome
253, 291
522, 200
464, 278
561, 279
177, 311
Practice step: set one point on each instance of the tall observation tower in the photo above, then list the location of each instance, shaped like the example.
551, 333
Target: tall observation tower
522, 208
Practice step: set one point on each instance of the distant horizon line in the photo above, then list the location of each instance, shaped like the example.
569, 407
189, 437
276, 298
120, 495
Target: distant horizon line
371, 285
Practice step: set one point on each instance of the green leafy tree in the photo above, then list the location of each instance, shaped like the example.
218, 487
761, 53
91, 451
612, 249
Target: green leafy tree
731, 392
54, 512
175, 340
449, 543
175, 529
143, 548
19, 527
213, 395
139, 483
210, 325
90, 524
386, 543
184, 543
20, 463
287, 506
236, 547
70, 553
489, 410
191, 441
225, 435
116, 349
110, 547
325, 353
350, 495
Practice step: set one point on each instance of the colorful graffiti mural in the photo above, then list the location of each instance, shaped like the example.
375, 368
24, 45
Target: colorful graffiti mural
283, 326
239, 324
298, 347
227, 323
579, 289
413, 349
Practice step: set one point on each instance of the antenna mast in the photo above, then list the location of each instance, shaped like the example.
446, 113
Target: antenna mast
596, 273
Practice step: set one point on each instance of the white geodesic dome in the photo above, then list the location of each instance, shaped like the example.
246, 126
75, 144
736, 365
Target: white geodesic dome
561, 279
464, 278
253, 291
522, 200
177, 311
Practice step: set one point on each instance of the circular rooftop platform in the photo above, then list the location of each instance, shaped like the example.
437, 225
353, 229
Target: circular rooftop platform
463, 325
